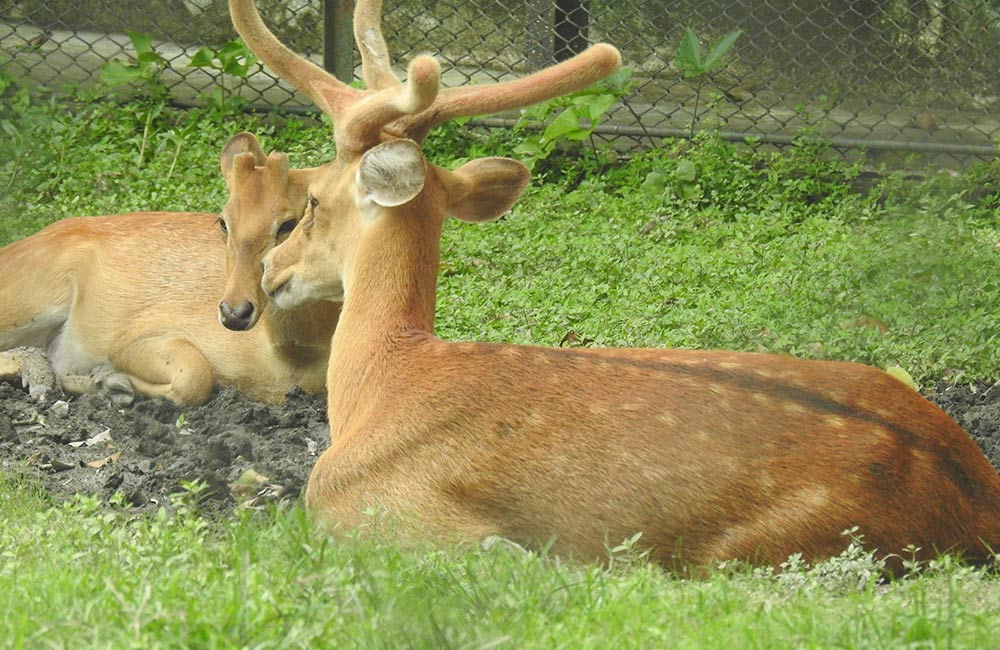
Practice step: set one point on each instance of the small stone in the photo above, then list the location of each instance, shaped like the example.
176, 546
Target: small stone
7, 431
60, 466
102, 436
59, 408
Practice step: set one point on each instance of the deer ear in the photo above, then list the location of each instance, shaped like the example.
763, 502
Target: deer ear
238, 144
392, 173
483, 190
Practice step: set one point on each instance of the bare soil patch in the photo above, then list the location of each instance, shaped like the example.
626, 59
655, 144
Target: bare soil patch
245, 452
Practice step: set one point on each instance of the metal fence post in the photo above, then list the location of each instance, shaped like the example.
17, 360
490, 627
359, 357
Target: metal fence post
554, 30
572, 22
338, 39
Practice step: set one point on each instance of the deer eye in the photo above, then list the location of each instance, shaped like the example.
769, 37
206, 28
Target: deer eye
286, 227
222, 226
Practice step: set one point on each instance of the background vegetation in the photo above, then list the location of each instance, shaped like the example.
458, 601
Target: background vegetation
703, 245
916, 73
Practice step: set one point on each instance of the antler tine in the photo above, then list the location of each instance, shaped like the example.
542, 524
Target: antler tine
362, 123
376, 67
328, 92
590, 66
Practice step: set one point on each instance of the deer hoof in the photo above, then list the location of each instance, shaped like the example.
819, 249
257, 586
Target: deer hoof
116, 386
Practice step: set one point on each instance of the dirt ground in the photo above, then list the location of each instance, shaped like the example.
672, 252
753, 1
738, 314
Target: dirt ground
246, 453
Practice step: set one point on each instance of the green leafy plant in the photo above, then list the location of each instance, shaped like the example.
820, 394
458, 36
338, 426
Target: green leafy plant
693, 63
570, 118
13, 147
145, 70
682, 177
144, 73
233, 59
186, 500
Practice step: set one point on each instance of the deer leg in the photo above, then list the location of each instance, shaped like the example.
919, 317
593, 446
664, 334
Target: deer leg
173, 368
31, 366
102, 379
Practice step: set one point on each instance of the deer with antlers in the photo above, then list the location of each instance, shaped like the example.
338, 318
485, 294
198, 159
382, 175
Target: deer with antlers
710, 455
129, 301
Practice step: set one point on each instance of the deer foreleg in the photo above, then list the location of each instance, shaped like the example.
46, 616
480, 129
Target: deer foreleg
173, 368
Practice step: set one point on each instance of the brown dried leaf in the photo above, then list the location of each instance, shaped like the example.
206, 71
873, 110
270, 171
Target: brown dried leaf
107, 460
573, 340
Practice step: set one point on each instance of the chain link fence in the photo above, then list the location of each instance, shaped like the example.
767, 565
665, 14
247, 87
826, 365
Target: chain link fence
886, 75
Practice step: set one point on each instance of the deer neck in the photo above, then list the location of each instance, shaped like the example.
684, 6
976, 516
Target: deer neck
390, 291
391, 283
301, 335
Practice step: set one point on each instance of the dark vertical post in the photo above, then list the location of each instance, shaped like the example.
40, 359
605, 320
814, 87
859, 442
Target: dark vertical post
338, 39
538, 16
572, 22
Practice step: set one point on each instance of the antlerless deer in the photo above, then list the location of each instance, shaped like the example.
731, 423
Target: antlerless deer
133, 298
710, 455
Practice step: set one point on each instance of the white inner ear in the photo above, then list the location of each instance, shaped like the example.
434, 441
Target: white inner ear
392, 173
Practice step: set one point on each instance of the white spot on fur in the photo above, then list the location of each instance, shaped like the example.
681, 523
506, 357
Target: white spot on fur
597, 409
795, 407
668, 419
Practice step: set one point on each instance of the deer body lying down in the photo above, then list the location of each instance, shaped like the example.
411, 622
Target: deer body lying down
709, 455
139, 292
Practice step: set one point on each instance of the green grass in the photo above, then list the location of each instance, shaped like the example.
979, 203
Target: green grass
755, 251
71, 158
787, 260
103, 578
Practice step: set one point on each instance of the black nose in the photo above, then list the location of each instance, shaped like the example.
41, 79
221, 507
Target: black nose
238, 318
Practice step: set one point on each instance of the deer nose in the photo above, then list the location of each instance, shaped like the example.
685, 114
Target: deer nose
237, 318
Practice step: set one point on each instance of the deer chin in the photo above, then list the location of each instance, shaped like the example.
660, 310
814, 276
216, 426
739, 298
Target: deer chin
282, 289
289, 294
289, 291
